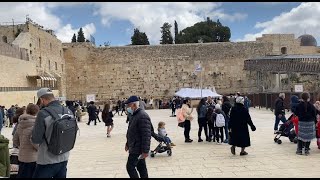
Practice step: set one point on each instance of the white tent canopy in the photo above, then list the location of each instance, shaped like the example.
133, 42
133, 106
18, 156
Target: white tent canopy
196, 93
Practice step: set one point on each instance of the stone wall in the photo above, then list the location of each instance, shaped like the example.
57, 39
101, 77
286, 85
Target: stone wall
158, 71
43, 48
13, 51
22, 98
14, 72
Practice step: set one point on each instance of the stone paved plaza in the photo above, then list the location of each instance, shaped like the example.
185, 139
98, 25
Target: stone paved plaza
95, 155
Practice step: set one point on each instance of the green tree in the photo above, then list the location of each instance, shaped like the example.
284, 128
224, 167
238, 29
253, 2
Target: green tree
74, 38
81, 37
176, 33
206, 31
139, 38
166, 37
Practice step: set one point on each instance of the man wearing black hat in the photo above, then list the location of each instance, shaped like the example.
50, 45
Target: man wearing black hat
138, 139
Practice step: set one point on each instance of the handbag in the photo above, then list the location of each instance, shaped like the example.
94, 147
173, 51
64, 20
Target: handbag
181, 124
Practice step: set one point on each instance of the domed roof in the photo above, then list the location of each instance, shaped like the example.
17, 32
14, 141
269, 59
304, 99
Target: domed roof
307, 40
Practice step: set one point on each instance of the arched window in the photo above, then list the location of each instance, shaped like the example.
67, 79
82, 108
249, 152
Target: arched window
283, 50
4, 39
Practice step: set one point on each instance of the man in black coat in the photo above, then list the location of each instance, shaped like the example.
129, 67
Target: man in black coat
92, 109
138, 139
226, 107
279, 112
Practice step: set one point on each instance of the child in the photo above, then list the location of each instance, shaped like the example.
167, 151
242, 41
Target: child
163, 133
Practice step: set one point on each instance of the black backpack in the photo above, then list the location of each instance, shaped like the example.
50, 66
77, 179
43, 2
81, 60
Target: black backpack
64, 131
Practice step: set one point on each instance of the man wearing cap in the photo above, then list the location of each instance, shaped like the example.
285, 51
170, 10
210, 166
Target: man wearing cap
138, 139
48, 164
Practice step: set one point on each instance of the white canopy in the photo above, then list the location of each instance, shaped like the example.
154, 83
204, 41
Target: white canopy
196, 93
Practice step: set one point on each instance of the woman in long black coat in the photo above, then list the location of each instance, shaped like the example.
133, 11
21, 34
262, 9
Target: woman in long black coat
238, 127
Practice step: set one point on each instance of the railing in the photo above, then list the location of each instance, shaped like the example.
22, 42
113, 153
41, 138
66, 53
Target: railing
267, 100
8, 89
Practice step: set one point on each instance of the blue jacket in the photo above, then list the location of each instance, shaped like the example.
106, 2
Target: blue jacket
294, 101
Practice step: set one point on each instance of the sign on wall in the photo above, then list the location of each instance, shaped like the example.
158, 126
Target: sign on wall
61, 98
298, 88
91, 97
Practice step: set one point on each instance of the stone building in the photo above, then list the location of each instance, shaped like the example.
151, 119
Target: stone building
32, 57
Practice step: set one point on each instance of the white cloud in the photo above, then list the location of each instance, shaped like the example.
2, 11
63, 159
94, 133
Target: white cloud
41, 13
304, 18
65, 33
149, 17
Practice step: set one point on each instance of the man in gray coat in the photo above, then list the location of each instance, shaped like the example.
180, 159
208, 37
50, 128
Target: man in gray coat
138, 139
48, 164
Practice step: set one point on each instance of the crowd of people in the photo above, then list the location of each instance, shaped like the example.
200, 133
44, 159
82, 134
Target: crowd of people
221, 120
307, 117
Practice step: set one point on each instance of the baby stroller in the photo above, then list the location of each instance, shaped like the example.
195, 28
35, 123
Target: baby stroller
162, 147
286, 130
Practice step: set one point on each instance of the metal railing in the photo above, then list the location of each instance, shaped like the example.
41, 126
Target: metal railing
8, 89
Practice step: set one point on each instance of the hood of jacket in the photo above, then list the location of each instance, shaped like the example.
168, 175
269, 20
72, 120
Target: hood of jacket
26, 120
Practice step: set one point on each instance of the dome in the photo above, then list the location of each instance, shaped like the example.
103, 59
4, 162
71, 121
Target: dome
307, 40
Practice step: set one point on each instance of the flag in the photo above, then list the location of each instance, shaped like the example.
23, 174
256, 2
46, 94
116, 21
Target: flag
198, 68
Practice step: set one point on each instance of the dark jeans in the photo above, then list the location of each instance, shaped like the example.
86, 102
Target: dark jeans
277, 121
58, 170
226, 132
167, 140
26, 170
187, 127
95, 121
211, 131
173, 111
133, 163
305, 145
219, 129
202, 124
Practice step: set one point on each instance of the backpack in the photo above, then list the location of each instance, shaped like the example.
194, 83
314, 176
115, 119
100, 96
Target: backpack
220, 121
64, 131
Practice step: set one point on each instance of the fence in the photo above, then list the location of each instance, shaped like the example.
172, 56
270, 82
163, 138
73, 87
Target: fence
8, 89
267, 100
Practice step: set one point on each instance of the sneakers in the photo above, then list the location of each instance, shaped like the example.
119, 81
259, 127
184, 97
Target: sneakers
233, 150
306, 152
200, 140
299, 152
172, 144
226, 141
188, 140
275, 132
243, 153
108, 135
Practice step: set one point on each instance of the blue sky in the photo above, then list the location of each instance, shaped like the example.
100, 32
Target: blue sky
115, 21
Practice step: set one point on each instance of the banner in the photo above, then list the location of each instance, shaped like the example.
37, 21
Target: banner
91, 97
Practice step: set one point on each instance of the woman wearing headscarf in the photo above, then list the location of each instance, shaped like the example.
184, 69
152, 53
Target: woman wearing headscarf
307, 115
238, 127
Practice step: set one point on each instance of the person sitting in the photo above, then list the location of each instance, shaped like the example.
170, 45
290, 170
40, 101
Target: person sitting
163, 133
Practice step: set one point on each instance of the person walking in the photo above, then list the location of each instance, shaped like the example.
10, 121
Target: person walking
173, 108
307, 115
202, 121
279, 112
226, 107
238, 127
92, 111
107, 118
138, 139
98, 112
187, 111
49, 165
27, 150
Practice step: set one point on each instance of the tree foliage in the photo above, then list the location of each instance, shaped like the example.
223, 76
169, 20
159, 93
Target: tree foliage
176, 33
139, 38
206, 31
81, 37
166, 37
74, 38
